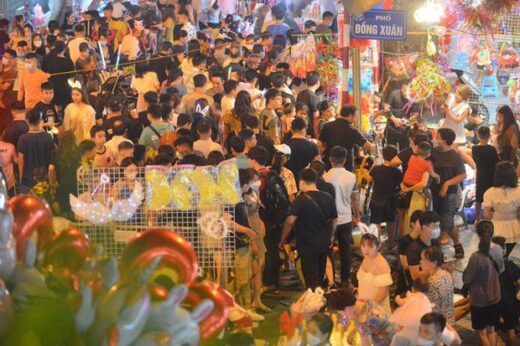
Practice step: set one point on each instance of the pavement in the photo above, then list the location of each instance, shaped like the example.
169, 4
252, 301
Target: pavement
268, 330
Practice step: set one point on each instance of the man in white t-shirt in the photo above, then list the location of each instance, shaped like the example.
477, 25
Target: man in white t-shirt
118, 9
205, 145
433, 331
344, 183
79, 38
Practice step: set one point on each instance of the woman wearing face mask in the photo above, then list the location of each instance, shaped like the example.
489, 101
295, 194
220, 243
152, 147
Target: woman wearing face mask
502, 203
481, 277
107, 46
440, 281
79, 116
319, 330
252, 201
374, 273
37, 46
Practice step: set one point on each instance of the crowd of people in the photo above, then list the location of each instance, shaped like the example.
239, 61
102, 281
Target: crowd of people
185, 94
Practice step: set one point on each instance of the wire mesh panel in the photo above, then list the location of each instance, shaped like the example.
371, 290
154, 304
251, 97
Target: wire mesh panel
198, 203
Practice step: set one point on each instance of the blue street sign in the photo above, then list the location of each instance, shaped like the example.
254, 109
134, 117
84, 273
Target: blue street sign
379, 25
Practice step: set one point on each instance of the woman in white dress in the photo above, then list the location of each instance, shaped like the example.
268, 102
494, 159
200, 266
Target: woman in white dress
79, 116
142, 82
457, 109
502, 204
374, 273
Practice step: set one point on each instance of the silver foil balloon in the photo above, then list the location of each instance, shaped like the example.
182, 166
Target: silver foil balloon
4, 196
7, 245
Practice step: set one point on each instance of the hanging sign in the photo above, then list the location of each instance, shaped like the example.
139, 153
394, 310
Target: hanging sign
379, 25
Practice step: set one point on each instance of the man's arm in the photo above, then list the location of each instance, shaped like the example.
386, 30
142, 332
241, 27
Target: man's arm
333, 225
287, 227
453, 181
20, 165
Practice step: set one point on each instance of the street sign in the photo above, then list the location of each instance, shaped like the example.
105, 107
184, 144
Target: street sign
379, 25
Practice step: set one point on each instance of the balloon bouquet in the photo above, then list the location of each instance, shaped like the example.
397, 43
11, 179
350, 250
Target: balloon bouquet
58, 289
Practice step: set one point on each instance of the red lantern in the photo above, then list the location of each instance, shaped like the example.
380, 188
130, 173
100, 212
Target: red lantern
31, 215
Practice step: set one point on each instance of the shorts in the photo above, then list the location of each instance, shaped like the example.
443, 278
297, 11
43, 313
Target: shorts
509, 313
383, 211
482, 317
446, 208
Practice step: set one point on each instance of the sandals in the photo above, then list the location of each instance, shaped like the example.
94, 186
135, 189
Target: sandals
459, 251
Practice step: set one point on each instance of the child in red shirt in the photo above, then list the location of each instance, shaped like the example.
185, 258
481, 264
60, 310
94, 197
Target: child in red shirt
419, 169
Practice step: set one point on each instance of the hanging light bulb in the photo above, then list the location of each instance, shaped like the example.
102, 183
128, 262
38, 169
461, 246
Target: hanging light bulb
429, 13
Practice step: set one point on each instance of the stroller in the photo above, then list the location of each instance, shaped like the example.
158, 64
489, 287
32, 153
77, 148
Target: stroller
114, 84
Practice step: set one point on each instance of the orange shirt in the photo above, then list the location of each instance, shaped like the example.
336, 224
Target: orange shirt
416, 168
31, 83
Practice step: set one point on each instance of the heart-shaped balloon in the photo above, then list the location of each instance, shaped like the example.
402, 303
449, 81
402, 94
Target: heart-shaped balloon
217, 319
179, 261
31, 215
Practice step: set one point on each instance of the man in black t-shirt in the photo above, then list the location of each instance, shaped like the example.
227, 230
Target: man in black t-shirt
340, 132
447, 163
45, 108
158, 62
397, 127
309, 98
253, 124
303, 151
313, 215
114, 116
34, 151
430, 232
18, 126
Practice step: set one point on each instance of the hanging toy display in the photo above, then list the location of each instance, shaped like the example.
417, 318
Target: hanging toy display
481, 16
429, 82
508, 58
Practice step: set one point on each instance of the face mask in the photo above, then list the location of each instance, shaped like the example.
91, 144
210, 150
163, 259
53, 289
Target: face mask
255, 186
436, 233
38, 44
103, 43
29, 67
313, 340
5, 61
424, 342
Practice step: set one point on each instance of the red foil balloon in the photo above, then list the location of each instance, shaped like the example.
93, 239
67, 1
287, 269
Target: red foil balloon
68, 249
31, 215
216, 321
177, 254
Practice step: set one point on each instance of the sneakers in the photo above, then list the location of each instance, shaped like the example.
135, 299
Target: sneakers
459, 251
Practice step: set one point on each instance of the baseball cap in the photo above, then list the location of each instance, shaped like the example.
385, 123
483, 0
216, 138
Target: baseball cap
283, 148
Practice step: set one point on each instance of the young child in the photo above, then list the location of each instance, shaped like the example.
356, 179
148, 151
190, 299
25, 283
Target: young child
509, 283
419, 169
485, 157
104, 158
124, 150
383, 205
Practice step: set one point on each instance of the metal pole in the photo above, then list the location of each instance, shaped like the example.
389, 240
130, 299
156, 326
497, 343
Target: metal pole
345, 55
356, 79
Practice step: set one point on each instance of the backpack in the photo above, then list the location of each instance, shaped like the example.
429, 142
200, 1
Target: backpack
276, 208
167, 138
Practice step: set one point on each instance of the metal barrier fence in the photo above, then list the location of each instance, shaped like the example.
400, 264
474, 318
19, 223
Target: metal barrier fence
198, 203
